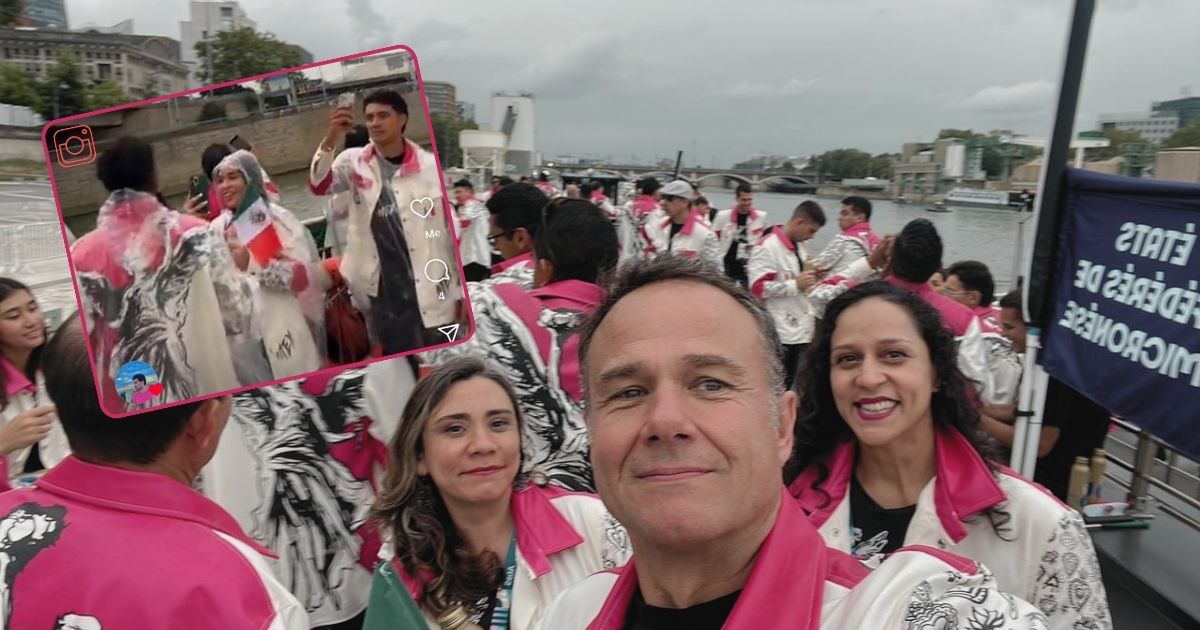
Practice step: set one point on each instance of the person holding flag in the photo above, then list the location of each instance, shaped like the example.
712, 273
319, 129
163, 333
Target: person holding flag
470, 541
280, 256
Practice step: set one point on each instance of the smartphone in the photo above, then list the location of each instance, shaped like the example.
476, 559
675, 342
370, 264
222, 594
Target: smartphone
197, 186
346, 99
237, 143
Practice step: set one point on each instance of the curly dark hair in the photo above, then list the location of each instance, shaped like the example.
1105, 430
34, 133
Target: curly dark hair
820, 426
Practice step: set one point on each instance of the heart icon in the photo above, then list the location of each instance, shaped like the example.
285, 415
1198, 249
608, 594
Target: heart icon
421, 207
156, 389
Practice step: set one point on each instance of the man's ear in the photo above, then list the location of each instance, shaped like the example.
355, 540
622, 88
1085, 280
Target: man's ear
787, 426
523, 239
205, 426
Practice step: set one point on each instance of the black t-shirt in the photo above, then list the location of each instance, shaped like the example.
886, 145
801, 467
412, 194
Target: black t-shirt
675, 229
710, 615
1083, 425
874, 529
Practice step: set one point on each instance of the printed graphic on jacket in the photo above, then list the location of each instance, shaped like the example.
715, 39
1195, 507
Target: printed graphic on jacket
24, 532
314, 460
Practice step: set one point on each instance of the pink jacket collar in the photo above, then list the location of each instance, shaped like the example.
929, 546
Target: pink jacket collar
963, 484
505, 265
575, 294
754, 214
14, 380
409, 165
140, 492
785, 588
784, 238
542, 531
689, 224
645, 204
955, 316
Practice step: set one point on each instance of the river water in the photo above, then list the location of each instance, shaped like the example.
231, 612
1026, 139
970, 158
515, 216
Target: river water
982, 234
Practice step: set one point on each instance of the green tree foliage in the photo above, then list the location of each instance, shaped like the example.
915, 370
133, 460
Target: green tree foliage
844, 163
63, 91
106, 93
445, 134
242, 53
881, 166
11, 12
1187, 137
212, 110
18, 88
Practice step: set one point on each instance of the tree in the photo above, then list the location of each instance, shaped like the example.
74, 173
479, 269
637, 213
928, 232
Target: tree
1187, 137
241, 53
445, 134
106, 93
880, 166
18, 88
62, 90
211, 110
844, 163
961, 134
11, 12
1116, 138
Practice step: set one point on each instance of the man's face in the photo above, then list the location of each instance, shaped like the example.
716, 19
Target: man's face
507, 243
1013, 327
848, 216
139, 385
461, 194
495, 184
744, 201
688, 438
801, 229
953, 289
384, 124
676, 207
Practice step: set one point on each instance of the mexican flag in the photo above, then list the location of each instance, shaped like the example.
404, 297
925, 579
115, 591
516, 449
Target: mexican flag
390, 606
254, 227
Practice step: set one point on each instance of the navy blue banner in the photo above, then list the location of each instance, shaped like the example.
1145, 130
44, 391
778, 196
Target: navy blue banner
1126, 326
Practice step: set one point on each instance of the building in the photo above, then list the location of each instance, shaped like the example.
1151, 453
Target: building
1179, 165
45, 14
143, 65
375, 66
466, 111
208, 19
513, 115
440, 96
1154, 127
1186, 108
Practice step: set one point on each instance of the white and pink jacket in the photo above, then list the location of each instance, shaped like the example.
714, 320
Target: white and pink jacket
24, 395
856, 241
1004, 364
633, 224
726, 227
93, 546
473, 232
693, 240
562, 538
772, 270
1045, 556
799, 583
602, 202
517, 270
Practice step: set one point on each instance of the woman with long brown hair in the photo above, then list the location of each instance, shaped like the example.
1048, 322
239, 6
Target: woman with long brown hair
472, 541
30, 437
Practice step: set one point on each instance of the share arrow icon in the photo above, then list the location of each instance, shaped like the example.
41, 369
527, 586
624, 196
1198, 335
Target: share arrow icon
450, 331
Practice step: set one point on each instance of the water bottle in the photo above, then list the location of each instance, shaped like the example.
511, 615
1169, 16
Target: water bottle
1078, 482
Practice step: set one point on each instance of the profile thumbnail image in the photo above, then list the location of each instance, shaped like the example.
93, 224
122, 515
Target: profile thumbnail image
137, 385
247, 233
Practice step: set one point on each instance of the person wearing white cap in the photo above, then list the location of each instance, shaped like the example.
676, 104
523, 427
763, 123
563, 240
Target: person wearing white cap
683, 233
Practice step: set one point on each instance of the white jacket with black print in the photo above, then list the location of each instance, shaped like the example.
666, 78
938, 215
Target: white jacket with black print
694, 240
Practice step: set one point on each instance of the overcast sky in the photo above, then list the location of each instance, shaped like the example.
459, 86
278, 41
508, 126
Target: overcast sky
724, 80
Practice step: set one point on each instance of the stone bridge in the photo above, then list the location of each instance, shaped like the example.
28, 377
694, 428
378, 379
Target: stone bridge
725, 177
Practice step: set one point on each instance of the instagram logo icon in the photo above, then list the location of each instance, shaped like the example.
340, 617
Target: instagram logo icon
74, 146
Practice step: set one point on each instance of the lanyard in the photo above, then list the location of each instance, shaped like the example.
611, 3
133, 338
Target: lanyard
500, 613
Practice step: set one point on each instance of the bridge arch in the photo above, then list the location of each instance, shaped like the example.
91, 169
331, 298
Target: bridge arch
792, 179
723, 176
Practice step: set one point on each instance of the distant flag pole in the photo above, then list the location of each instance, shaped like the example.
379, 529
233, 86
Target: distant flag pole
1039, 263
678, 164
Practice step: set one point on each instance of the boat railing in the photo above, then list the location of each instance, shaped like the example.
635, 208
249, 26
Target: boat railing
1153, 472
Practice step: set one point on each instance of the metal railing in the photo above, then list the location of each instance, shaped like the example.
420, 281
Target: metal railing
32, 242
1157, 473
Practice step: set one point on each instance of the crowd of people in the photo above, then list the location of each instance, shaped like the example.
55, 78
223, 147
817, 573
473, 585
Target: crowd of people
164, 286
666, 417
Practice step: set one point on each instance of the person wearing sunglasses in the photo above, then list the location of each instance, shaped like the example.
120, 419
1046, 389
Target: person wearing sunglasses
515, 216
531, 334
683, 233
